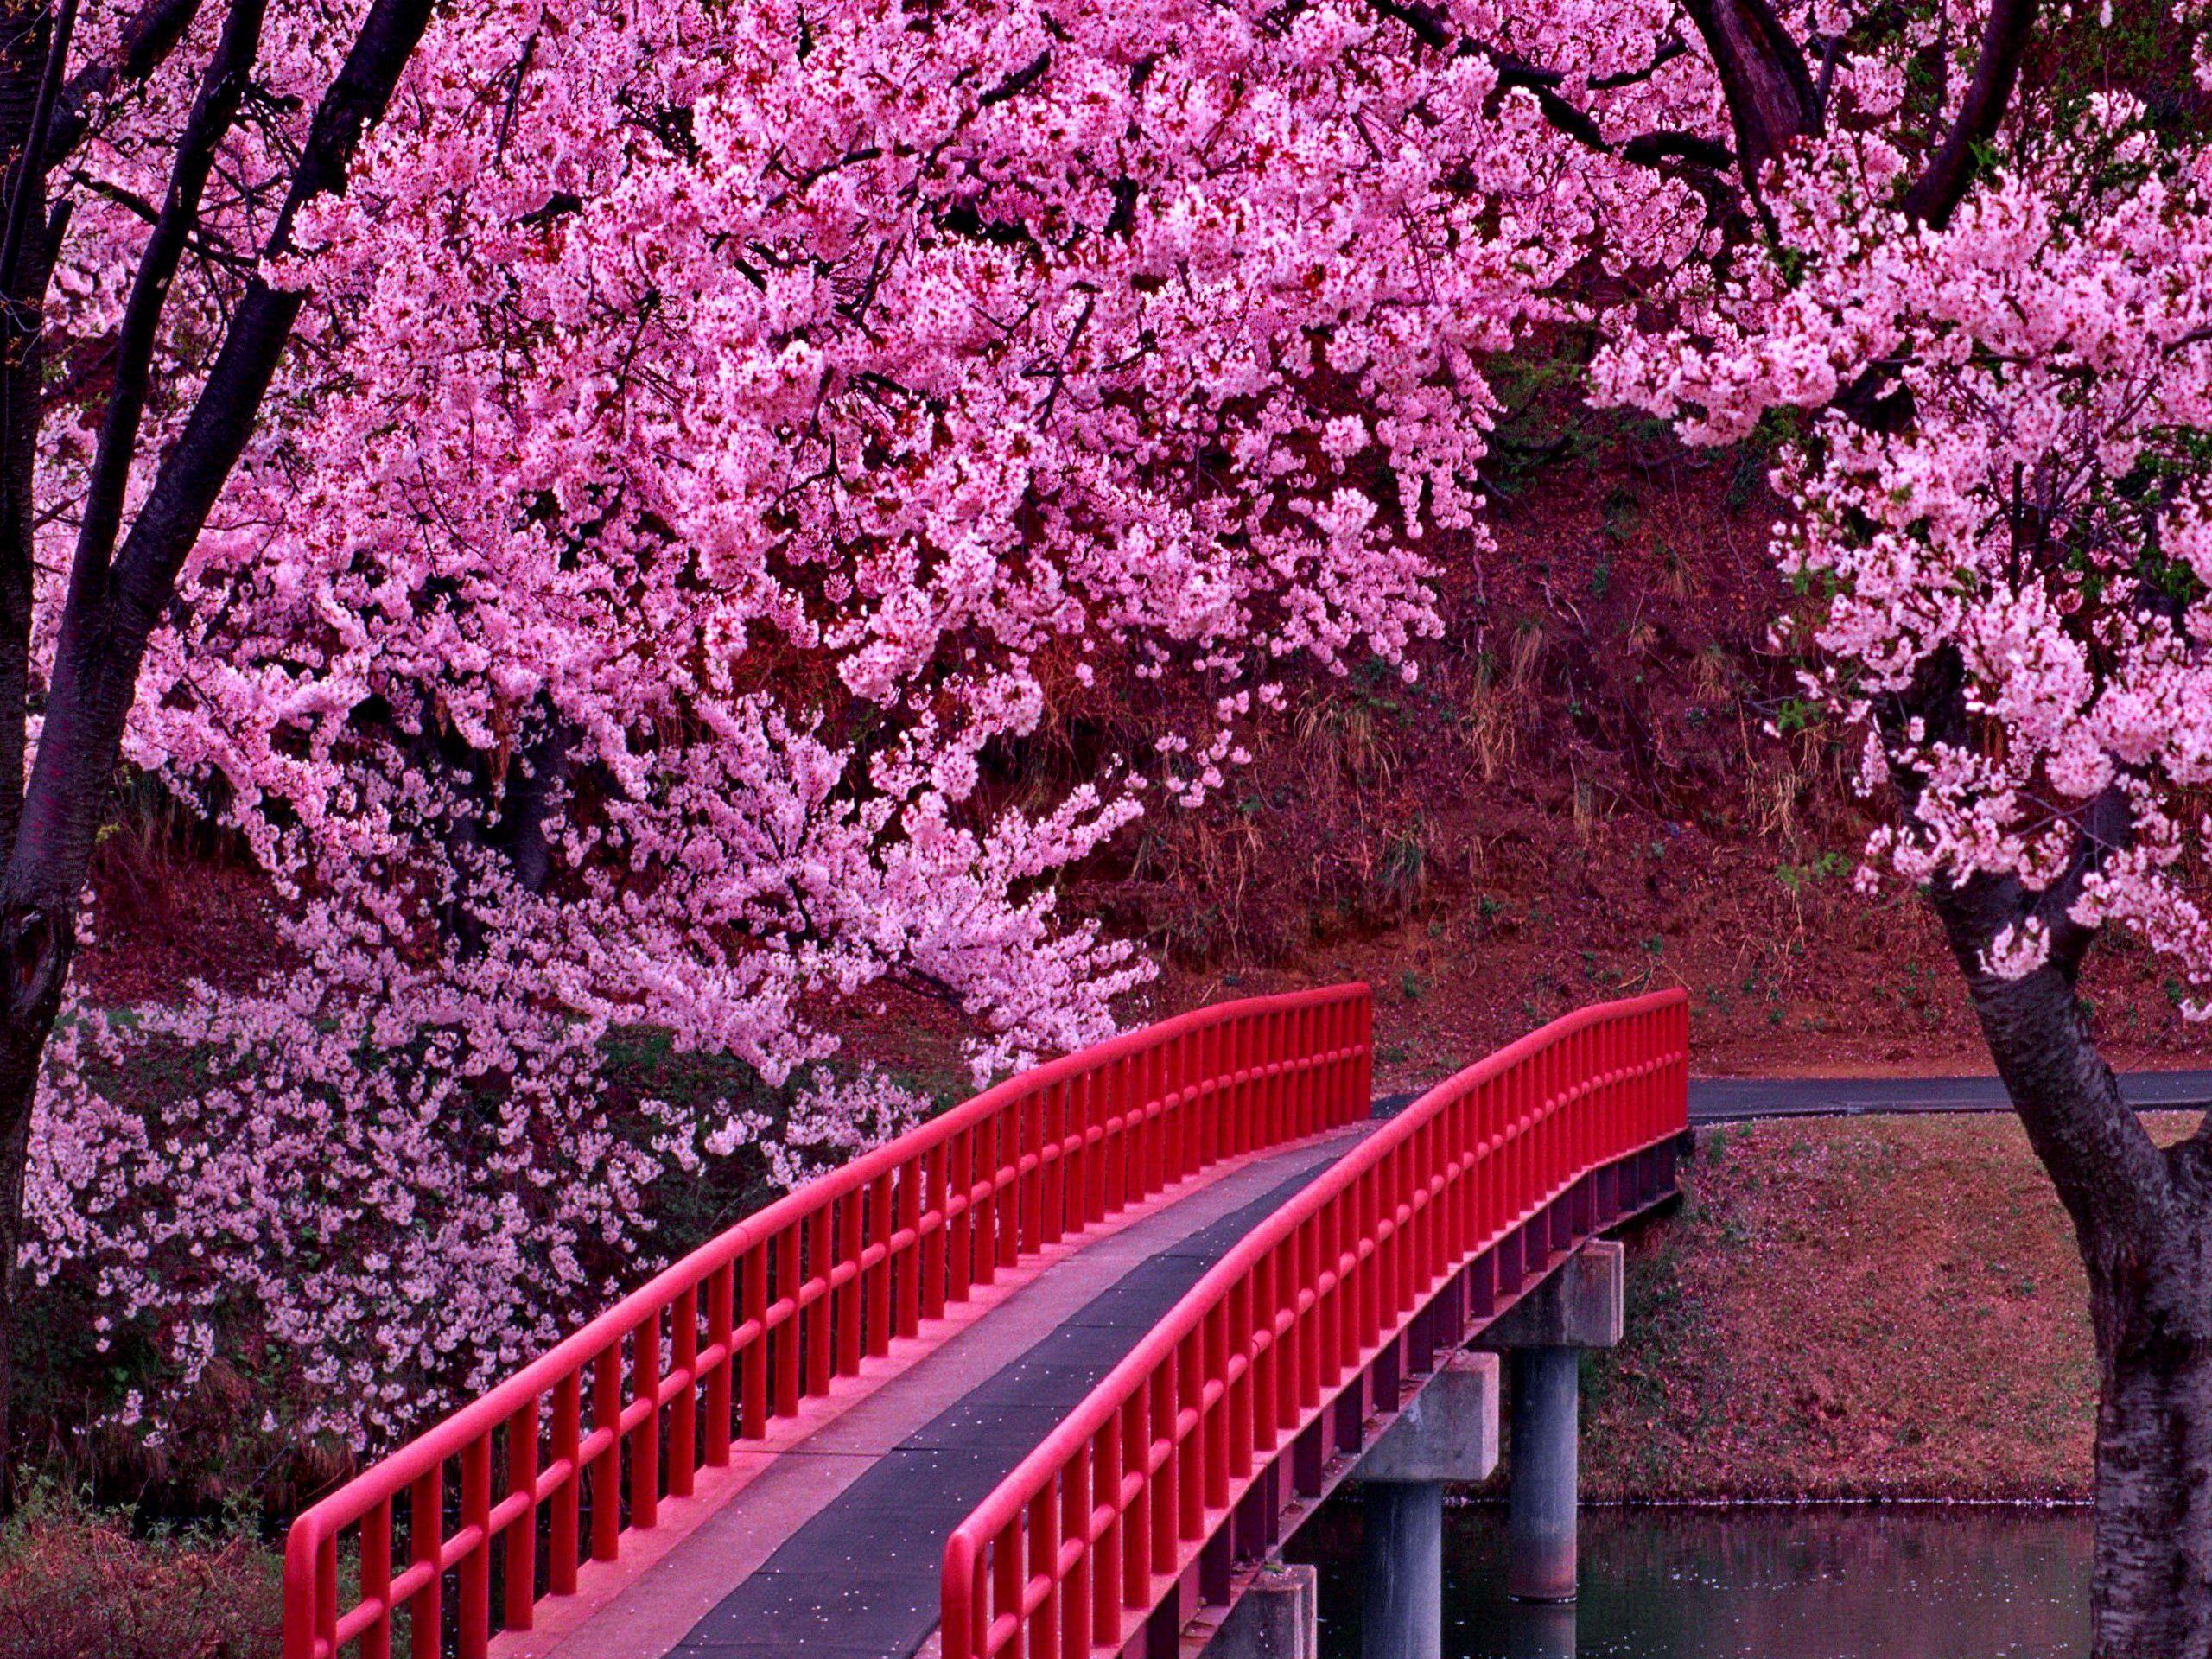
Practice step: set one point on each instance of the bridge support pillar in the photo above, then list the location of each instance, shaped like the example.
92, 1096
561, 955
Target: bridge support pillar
1446, 1433
1579, 1306
1402, 1580
1276, 1617
1539, 1524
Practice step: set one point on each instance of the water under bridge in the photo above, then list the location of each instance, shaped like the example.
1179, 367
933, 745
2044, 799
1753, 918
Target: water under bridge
1055, 1374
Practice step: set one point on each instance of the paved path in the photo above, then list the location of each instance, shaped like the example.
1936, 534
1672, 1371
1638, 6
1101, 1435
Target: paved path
1727, 1100
1718, 1100
835, 1549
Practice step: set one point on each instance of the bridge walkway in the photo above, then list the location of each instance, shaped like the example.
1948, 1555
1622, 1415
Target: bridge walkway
835, 1546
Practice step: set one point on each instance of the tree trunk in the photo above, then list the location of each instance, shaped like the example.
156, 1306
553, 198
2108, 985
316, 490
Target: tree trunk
33, 966
2151, 1597
2142, 1220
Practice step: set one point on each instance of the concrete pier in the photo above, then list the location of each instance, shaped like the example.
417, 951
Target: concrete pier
1447, 1432
1540, 1630
1401, 1571
1579, 1306
1278, 1617
1539, 1524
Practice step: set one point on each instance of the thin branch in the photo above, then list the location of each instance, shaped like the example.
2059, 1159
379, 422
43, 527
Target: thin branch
30, 172
1669, 50
1020, 81
514, 94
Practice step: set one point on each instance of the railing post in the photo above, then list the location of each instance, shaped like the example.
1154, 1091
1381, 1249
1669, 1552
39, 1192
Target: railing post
1074, 1594
984, 1203
1166, 1446
790, 1286
376, 1581
1136, 1520
645, 1446
848, 1248
1190, 1461
937, 1256
959, 1228
607, 1468
425, 1543
876, 1230
1006, 1565
1043, 1564
1106, 1575
820, 1341
1007, 1180
519, 1552
722, 1298
475, 1575
752, 1381
907, 1284
683, 1409
562, 1541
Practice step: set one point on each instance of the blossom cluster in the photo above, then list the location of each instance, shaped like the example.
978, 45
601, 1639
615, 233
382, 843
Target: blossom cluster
2034, 527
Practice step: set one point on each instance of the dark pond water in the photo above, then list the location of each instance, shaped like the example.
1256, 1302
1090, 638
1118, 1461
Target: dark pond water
1752, 1584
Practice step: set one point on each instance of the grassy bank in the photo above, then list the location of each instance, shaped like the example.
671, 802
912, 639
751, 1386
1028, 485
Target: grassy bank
1852, 1308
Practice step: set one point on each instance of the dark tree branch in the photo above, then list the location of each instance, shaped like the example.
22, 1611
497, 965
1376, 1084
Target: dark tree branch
1666, 54
26, 192
1831, 49
222, 86
1655, 147
1771, 99
2108, 1173
1875, 399
1020, 81
1561, 113
31, 65
1937, 192
147, 40
1427, 24
101, 646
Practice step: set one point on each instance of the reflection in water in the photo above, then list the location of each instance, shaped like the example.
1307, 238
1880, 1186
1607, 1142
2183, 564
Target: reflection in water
1752, 1584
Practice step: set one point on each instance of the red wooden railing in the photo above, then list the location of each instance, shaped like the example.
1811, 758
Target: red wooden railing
596, 1432
1092, 1530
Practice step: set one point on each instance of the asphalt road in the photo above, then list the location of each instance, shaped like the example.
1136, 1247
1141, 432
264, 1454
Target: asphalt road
1715, 1100
1724, 1100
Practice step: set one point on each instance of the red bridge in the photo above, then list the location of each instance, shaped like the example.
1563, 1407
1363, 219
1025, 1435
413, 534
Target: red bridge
1053, 1374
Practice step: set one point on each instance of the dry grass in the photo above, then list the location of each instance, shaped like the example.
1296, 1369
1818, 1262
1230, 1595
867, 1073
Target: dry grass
1868, 1307
77, 1584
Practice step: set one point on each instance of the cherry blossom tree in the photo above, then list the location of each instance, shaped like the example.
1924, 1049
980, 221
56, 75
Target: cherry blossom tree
614, 560
717, 438
1978, 323
73, 629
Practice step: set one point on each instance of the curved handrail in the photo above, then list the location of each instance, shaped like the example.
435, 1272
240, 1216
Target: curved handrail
1323, 1281
879, 1245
